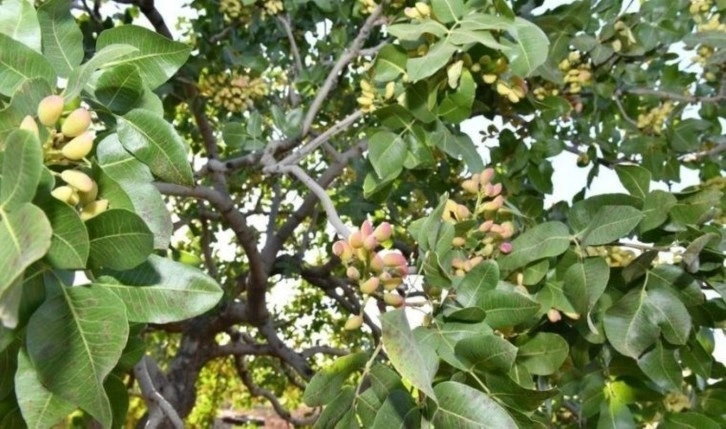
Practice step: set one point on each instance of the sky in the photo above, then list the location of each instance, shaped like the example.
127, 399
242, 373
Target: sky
567, 179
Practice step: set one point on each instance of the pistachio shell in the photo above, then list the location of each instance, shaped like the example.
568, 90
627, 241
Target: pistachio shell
78, 180
79, 147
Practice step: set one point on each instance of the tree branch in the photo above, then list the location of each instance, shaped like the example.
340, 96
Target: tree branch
285, 21
343, 61
159, 408
676, 97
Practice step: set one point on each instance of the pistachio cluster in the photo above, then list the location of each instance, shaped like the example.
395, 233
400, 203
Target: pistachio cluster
654, 119
75, 141
419, 11
233, 91
370, 97
615, 256
377, 272
236, 11
578, 72
491, 237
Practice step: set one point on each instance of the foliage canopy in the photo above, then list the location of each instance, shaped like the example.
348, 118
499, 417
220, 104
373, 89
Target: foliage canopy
176, 216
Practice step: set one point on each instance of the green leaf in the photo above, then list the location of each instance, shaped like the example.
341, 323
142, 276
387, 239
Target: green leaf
611, 223
155, 142
80, 76
162, 291
70, 245
464, 36
689, 420
120, 240
655, 209
387, 152
119, 88
21, 168
74, 340
19, 63
237, 136
24, 102
529, 50
585, 282
19, 21
669, 313
505, 390
457, 146
416, 362
629, 324
614, 415
482, 278
436, 58
507, 308
544, 354
398, 411
118, 396
40, 407
543, 241
390, 63
25, 234
463, 407
336, 409
415, 31
62, 39
10, 299
635, 178
457, 106
661, 366
447, 11
325, 386
135, 181
486, 353
157, 58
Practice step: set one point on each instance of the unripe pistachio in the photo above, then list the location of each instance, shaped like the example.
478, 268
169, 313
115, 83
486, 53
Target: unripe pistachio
383, 232
486, 226
494, 204
342, 250
470, 186
369, 286
457, 263
394, 259
489, 78
65, 194
513, 98
390, 282
364, 101
390, 90
423, 9
78, 180
353, 323
366, 229
476, 260
412, 13
352, 273
492, 190
520, 279
503, 89
376, 263
393, 299
458, 241
554, 316
28, 124
486, 176
462, 212
50, 109
617, 45
370, 243
505, 247
76, 123
95, 208
506, 230
79, 147
488, 249
356, 240
90, 196
366, 86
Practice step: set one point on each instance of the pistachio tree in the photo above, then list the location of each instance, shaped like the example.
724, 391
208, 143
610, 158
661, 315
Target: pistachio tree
276, 202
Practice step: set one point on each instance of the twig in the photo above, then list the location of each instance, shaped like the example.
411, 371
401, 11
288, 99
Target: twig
255, 390
154, 399
677, 97
343, 61
285, 21
622, 111
306, 149
692, 157
325, 200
